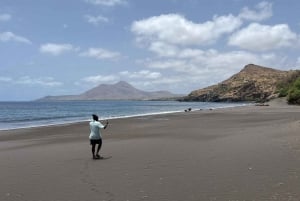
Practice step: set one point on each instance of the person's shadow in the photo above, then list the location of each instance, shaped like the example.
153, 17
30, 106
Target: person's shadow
103, 158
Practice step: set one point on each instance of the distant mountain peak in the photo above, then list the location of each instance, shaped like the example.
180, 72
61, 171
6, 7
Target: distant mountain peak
119, 91
123, 84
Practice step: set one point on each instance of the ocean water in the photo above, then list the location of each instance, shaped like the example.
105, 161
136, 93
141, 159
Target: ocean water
32, 114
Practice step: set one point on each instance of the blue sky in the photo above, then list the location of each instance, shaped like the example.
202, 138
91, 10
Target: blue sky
60, 47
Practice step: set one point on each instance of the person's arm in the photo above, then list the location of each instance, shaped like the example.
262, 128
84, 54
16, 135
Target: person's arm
106, 124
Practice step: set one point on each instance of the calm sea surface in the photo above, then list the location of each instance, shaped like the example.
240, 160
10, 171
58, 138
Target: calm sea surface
31, 114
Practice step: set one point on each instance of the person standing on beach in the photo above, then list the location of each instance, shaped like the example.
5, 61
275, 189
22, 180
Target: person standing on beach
95, 135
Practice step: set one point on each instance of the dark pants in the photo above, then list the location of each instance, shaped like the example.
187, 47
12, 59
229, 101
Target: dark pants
93, 143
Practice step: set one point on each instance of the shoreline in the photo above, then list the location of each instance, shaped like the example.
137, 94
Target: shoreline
66, 122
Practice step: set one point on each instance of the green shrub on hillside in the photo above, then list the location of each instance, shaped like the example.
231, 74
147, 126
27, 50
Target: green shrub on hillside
294, 92
283, 91
284, 85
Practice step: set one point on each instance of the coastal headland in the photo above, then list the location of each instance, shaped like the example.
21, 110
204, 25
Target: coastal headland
242, 153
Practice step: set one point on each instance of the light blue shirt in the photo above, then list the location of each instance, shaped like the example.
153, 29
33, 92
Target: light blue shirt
95, 127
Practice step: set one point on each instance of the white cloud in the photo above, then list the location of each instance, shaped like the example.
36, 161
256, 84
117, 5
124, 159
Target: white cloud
215, 61
5, 17
195, 61
209, 67
44, 81
95, 20
151, 81
107, 2
257, 37
174, 29
189, 69
173, 64
100, 53
172, 83
143, 74
264, 11
5, 79
97, 79
56, 49
163, 49
124, 75
175, 40
9, 36
191, 53
27, 80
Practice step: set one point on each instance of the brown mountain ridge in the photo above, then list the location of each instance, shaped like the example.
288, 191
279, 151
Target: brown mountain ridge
252, 83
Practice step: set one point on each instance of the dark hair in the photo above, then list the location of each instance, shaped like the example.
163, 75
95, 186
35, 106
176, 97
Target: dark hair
95, 117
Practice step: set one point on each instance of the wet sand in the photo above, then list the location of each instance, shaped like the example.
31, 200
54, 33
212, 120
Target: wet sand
246, 153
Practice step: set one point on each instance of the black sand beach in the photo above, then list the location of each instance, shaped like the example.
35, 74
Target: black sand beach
244, 153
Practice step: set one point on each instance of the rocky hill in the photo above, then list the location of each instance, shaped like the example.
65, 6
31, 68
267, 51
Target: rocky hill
252, 83
119, 91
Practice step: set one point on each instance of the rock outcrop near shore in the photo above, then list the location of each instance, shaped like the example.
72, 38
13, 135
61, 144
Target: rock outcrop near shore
252, 83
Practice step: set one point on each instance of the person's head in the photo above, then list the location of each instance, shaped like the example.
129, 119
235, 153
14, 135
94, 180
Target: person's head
95, 117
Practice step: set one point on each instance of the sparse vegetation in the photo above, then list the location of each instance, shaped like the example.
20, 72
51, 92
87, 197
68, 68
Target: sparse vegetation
283, 91
253, 83
285, 85
294, 92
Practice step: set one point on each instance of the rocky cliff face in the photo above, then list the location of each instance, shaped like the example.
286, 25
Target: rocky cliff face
252, 83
